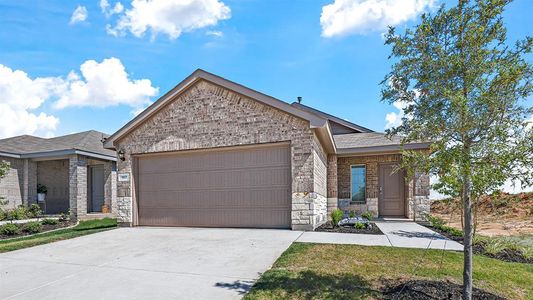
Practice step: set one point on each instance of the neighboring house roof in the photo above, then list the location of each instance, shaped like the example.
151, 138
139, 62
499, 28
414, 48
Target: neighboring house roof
314, 120
371, 142
331, 118
88, 143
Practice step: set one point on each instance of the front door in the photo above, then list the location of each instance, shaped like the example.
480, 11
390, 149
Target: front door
391, 200
97, 188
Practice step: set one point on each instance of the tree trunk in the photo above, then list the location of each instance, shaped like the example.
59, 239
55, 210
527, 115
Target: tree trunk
467, 270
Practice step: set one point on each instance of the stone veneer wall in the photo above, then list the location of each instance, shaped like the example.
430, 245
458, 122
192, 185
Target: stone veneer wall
207, 116
332, 184
78, 185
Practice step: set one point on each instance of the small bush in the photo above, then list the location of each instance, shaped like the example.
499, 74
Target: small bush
360, 225
3, 214
352, 214
34, 211
336, 216
32, 227
95, 224
64, 217
436, 221
50, 222
367, 215
9, 229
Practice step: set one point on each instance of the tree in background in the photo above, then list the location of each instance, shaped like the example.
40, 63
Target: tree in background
464, 87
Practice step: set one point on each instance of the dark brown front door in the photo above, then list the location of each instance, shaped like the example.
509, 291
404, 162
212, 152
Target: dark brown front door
391, 194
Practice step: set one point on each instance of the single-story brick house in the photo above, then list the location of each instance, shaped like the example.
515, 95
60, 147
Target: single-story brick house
78, 173
214, 153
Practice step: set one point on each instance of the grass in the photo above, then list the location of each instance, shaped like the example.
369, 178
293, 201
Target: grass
83, 228
326, 271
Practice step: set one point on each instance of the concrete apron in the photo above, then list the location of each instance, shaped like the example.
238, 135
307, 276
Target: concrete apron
144, 263
406, 234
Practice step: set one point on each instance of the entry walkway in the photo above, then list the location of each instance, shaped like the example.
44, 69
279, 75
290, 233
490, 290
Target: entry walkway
406, 234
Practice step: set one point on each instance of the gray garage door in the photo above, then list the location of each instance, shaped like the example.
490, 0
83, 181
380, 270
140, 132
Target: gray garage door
246, 187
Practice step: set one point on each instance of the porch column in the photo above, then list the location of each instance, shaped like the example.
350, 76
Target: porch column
332, 184
110, 190
25, 183
78, 185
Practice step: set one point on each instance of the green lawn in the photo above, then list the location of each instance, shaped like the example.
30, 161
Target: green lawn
83, 228
327, 271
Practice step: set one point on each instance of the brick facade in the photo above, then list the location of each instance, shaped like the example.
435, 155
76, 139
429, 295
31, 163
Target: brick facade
416, 190
207, 116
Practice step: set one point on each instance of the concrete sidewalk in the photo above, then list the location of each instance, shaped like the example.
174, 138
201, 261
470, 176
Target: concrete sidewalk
406, 234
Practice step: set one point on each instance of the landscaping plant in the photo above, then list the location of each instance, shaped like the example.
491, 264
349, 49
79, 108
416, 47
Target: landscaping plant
50, 221
34, 211
367, 215
336, 216
352, 214
462, 86
360, 225
9, 229
32, 227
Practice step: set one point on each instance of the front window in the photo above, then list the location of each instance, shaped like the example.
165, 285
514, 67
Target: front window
358, 179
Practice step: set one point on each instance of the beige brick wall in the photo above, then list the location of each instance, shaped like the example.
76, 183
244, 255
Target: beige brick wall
54, 175
416, 190
11, 186
207, 116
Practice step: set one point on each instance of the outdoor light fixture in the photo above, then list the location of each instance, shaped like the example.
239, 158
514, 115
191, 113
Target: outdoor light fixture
121, 155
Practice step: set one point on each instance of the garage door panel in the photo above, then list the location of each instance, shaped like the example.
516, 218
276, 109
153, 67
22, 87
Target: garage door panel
247, 187
235, 199
235, 178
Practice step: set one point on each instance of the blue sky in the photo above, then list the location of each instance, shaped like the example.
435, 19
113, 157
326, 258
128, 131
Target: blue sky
277, 47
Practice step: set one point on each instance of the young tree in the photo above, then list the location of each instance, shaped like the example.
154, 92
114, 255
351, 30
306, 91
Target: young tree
465, 89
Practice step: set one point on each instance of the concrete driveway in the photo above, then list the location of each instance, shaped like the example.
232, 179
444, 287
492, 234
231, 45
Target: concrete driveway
144, 263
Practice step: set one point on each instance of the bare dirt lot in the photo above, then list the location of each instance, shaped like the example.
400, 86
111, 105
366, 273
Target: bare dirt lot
497, 215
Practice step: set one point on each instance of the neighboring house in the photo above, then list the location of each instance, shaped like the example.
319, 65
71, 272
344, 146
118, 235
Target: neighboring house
214, 153
77, 171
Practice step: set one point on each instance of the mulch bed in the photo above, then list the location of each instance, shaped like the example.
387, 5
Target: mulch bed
61, 224
328, 227
426, 289
507, 255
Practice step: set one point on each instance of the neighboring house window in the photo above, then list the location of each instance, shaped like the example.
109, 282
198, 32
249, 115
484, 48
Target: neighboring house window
358, 180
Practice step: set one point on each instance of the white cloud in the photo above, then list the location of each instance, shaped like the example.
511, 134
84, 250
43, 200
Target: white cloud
19, 97
215, 33
99, 84
394, 119
108, 11
105, 84
79, 15
170, 17
344, 17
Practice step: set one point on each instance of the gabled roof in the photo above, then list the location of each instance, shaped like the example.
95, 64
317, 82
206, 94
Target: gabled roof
314, 120
372, 142
88, 143
331, 118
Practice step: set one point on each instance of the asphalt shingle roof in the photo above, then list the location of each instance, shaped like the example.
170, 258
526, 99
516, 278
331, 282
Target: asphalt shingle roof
366, 139
90, 141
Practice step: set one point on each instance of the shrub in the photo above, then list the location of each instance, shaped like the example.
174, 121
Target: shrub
34, 211
64, 217
3, 214
50, 222
436, 221
367, 215
352, 214
360, 225
9, 229
19, 213
336, 216
32, 227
